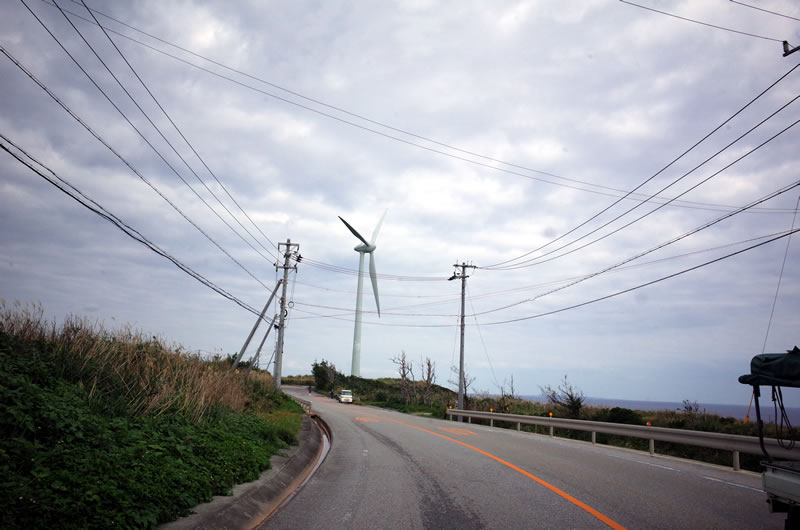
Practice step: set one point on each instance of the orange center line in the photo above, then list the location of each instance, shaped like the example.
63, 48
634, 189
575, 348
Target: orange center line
607, 520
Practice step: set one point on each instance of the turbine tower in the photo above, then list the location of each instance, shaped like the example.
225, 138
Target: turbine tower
364, 248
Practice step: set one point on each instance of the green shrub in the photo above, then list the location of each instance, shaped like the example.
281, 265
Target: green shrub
100, 430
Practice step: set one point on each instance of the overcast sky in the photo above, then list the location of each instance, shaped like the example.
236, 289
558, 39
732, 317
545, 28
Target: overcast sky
488, 130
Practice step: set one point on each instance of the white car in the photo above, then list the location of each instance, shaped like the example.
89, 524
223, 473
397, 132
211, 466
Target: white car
346, 396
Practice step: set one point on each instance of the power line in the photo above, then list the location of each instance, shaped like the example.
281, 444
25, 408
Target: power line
768, 197
682, 204
616, 269
348, 311
780, 278
619, 267
383, 295
352, 272
647, 284
538, 261
575, 306
116, 107
76, 194
123, 159
480, 334
701, 23
765, 10
188, 143
703, 139
451, 299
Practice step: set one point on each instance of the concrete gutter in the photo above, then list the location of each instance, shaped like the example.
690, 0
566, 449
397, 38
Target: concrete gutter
252, 503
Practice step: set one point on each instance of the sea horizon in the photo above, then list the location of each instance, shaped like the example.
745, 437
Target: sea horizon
722, 409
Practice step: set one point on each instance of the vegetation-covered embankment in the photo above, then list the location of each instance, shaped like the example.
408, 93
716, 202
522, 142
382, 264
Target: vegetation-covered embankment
101, 429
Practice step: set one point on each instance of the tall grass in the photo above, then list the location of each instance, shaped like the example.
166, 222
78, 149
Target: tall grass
103, 429
125, 368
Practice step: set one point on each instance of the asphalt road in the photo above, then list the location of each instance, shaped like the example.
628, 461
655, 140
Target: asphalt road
392, 470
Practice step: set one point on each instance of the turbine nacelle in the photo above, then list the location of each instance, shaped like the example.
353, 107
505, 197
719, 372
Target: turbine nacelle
368, 247
365, 248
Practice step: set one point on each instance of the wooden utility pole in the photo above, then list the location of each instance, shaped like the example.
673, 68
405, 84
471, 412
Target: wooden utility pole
461, 382
291, 250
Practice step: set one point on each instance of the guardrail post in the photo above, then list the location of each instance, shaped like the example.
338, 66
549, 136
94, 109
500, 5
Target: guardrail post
551, 430
736, 461
491, 422
469, 420
652, 447
518, 425
594, 437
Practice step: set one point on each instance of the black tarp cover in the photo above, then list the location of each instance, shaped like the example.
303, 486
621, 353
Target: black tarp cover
774, 369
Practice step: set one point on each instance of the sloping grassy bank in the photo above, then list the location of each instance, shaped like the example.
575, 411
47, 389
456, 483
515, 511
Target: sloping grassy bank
101, 430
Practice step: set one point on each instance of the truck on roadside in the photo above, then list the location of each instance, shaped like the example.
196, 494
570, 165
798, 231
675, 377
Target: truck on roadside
781, 479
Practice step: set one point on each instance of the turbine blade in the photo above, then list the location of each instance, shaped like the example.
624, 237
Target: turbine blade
353, 230
378, 226
374, 277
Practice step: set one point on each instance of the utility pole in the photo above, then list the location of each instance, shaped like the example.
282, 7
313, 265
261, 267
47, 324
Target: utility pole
255, 327
461, 382
282, 325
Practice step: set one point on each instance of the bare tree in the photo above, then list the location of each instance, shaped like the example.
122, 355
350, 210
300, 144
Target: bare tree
565, 396
690, 407
406, 371
507, 397
330, 371
467, 381
428, 371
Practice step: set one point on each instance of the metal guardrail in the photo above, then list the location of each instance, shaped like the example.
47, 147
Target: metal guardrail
729, 442
305, 403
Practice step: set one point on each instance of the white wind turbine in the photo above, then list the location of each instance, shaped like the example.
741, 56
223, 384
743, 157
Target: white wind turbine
364, 248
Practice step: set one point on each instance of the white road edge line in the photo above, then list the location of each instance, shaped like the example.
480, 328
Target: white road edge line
732, 484
679, 471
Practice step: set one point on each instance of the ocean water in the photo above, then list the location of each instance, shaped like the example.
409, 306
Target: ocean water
736, 411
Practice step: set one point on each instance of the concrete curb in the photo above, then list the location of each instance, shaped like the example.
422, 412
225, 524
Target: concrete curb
252, 503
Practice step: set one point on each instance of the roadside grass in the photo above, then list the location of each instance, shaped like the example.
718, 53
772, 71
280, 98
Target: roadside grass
298, 380
101, 429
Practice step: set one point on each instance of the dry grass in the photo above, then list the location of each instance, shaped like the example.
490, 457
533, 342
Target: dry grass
150, 376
